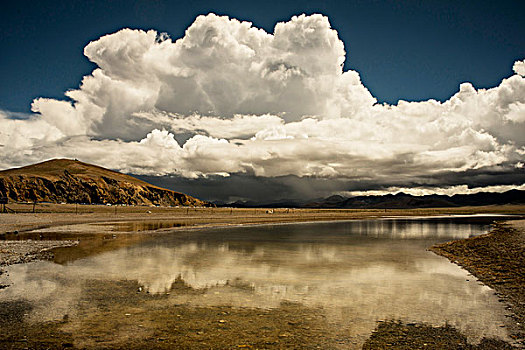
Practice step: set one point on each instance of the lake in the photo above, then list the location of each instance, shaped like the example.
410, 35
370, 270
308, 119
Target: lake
339, 277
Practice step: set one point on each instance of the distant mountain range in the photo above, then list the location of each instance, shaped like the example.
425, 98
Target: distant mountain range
393, 201
71, 181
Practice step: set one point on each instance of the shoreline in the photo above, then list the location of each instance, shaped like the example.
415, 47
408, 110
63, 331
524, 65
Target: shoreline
19, 252
101, 230
61, 228
497, 259
49, 215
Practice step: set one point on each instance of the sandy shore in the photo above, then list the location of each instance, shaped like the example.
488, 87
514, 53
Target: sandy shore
498, 260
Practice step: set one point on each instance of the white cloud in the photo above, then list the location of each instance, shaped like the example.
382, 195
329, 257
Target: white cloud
423, 191
246, 101
238, 126
519, 68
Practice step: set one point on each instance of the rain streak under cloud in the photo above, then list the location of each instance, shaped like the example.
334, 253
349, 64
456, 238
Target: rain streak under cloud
229, 100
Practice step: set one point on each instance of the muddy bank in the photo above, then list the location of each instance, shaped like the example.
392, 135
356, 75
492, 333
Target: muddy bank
497, 259
398, 335
17, 252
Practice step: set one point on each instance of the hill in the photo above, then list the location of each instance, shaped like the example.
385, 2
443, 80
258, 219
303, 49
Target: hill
72, 181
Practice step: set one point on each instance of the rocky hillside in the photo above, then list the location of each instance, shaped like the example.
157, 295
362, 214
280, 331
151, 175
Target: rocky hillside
71, 181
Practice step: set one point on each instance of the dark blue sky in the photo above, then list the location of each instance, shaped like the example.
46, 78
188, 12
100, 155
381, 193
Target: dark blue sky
410, 50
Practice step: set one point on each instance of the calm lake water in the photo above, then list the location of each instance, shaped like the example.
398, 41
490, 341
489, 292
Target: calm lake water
357, 272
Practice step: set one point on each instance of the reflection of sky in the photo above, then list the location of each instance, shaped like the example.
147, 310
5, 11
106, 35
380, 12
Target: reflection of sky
412, 229
350, 273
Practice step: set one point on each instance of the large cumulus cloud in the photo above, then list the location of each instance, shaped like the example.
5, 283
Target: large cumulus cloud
229, 98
